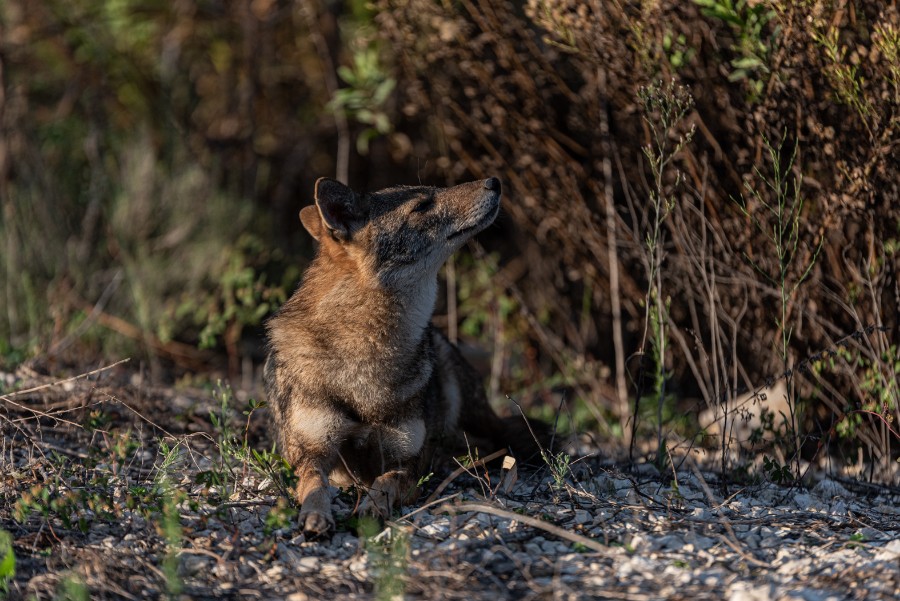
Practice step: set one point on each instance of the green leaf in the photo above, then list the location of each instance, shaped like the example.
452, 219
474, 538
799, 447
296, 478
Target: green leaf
382, 123
383, 90
362, 142
7, 560
747, 62
347, 75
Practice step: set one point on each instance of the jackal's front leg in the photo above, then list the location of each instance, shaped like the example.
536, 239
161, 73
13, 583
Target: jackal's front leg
312, 494
311, 440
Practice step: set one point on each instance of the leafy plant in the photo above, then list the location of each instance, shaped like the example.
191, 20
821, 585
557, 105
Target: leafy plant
844, 78
879, 383
241, 297
281, 516
748, 21
235, 452
780, 474
364, 98
676, 49
7, 561
172, 533
72, 588
388, 558
549, 17
560, 468
887, 40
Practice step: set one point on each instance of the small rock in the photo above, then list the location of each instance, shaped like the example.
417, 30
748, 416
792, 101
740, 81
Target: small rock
275, 572
552, 547
796, 567
569, 569
307, 564
752, 540
890, 552
636, 565
871, 534
193, 564
669, 542
702, 513
828, 489
745, 591
807, 502
808, 594
647, 469
677, 574
712, 578
358, 569
345, 540
620, 483
288, 555
703, 543
639, 542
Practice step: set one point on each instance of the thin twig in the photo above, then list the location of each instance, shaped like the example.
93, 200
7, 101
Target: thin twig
430, 504
8, 396
525, 519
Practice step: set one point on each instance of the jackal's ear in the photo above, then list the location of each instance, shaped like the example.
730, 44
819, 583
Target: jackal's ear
339, 207
309, 217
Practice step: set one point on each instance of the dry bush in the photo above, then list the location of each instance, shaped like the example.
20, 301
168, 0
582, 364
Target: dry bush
529, 95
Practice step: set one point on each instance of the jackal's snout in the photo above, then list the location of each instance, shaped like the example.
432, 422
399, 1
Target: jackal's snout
477, 204
493, 183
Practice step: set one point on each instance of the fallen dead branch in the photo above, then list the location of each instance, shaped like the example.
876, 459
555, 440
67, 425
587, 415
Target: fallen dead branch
525, 519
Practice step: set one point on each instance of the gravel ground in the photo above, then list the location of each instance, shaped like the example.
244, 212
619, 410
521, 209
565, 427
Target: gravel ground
113, 491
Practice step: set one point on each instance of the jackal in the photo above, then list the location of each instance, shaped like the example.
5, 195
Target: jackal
362, 387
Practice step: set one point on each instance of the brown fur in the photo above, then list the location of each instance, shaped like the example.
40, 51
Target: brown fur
362, 387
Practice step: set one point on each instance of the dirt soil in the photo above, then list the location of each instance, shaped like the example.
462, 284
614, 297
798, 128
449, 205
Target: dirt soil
114, 490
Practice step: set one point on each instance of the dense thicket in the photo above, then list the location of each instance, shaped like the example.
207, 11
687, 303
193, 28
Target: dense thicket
779, 217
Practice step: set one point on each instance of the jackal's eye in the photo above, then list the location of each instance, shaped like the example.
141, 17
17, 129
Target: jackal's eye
424, 205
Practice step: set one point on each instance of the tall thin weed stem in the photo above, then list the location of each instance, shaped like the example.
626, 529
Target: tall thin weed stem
776, 212
665, 107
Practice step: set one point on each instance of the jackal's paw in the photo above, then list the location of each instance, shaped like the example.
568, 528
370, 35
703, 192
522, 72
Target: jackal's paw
376, 504
315, 524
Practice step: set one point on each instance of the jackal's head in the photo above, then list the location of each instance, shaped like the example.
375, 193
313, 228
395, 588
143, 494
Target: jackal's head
400, 234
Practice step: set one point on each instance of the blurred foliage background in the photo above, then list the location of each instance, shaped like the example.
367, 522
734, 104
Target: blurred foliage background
700, 198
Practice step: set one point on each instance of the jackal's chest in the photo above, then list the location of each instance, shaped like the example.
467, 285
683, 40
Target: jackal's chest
380, 388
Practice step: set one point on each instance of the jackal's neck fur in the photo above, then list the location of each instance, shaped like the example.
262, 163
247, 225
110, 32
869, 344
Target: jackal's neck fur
370, 318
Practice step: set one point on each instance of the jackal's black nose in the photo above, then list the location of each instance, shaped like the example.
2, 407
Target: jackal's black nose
492, 183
